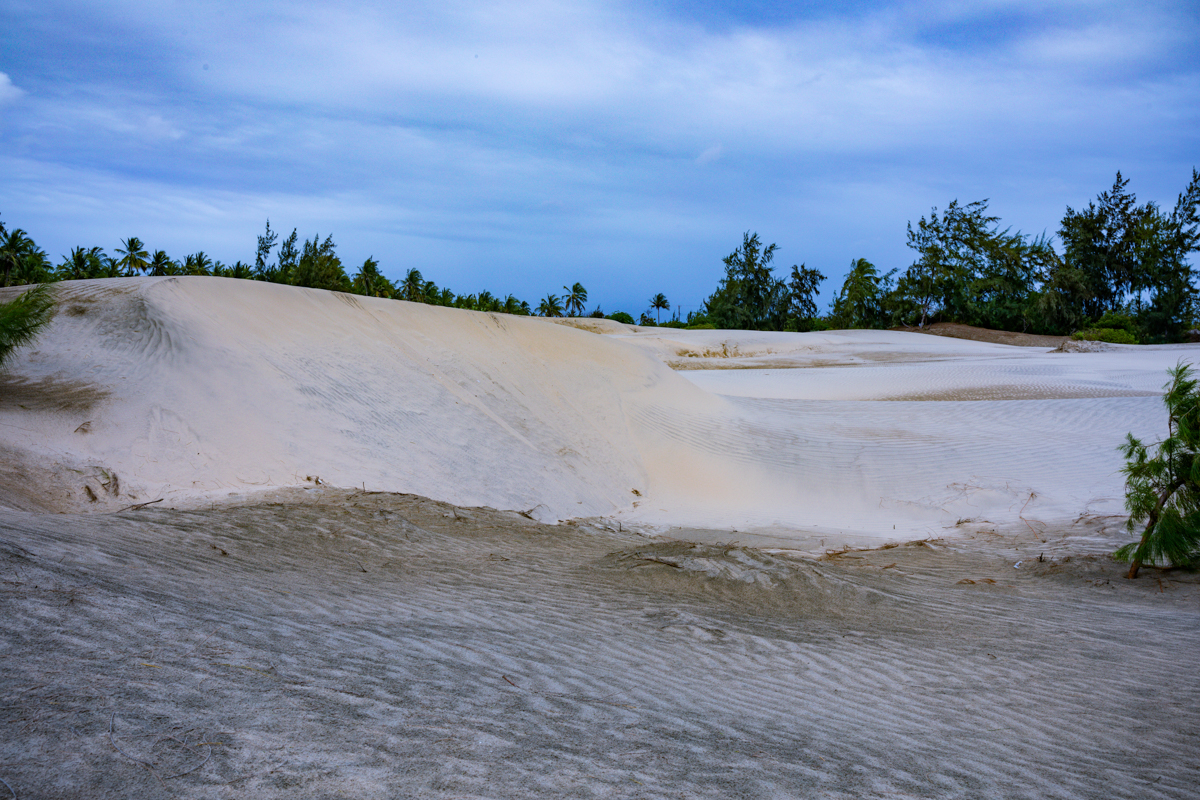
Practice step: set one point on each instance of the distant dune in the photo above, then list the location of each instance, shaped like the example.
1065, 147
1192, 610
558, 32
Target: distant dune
210, 390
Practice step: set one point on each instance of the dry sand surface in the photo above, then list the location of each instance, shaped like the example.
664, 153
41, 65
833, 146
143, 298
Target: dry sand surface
379, 646
250, 547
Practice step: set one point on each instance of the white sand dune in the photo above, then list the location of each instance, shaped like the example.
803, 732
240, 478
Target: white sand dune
198, 390
366, 644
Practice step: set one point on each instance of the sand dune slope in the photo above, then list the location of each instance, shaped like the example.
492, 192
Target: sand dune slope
198, 390
192, 388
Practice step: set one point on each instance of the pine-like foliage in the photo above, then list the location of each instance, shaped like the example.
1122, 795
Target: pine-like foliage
1163, 490
21, 319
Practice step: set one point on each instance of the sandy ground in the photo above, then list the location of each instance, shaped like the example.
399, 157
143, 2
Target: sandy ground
201, 390
248, 549
379, 646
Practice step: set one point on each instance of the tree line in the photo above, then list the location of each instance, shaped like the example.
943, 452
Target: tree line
1122, 273
1123, 269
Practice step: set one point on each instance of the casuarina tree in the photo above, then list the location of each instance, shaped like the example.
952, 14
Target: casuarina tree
1162, 491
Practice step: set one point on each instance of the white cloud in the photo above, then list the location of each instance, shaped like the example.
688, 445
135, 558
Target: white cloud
482, 126
8, 92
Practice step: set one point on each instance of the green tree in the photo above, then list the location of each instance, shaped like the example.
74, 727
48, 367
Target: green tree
860, 303
110, 267
801, 296
319, 267
1103, 242
575, 299
660, 304
262, 269
550, 306
81, 264
240, 270
749, 297
370, 282
160, 264
1129, 256
134, 258
1163, 490
15, 247
514, 306
412, 288
486, 301
1169, 278
22, 319
289, 258
197, 264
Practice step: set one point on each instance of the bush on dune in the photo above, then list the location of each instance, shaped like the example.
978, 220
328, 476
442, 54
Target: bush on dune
22, 319
1163, 490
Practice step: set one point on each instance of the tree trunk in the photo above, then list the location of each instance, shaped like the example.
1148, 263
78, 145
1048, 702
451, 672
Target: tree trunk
1151, 522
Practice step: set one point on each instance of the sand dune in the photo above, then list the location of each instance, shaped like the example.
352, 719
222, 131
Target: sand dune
202, 390
285, 624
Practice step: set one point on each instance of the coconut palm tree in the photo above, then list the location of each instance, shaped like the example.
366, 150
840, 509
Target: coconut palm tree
15, 247
575, 299
550, 306
134, 259
240, 270
412, 288
160, 264
514, 306
110, 268
197, 264
81, 264
368, 281
660, 304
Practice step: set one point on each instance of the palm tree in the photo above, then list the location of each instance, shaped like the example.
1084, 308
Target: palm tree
488, 302
660, 304
368, 281
413, 286
23, 318
514, 306
550, 306
197, 264
575, 299
109, 267
15, 246
135, 258
240, 270
160, 264
80, 265
860, 302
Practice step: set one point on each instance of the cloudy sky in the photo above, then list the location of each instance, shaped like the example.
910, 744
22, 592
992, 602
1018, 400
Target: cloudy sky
520, 146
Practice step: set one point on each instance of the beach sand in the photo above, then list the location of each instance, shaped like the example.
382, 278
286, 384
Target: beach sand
397, 551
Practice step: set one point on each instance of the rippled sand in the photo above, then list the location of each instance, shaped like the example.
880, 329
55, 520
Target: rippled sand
379, 646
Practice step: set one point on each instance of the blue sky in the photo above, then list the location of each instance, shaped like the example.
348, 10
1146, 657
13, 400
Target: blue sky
520, 146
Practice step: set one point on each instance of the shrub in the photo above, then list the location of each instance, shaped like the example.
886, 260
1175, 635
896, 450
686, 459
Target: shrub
1164, 489
701, 326
621, 316
1117, 321
22, 319
1110, 335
